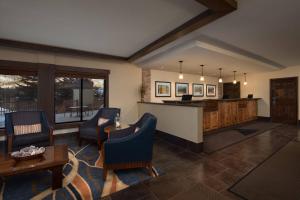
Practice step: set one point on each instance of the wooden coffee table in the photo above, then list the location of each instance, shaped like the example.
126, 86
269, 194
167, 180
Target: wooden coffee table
54, 158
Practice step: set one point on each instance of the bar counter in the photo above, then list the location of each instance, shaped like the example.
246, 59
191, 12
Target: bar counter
219, 113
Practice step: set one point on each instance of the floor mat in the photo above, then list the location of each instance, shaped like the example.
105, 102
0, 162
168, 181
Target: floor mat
246, 131
217, 141
278, 178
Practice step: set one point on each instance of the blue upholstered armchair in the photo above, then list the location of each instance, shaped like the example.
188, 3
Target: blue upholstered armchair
130, 147
92, 130
26, 128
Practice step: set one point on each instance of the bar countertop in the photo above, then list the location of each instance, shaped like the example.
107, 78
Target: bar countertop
196, 103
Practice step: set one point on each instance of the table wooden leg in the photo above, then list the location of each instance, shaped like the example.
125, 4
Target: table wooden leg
57, 177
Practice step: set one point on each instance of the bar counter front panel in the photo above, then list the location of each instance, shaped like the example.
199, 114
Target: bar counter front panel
220, 113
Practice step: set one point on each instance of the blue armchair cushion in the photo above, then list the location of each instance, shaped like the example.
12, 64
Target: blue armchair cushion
27, 139
90, 128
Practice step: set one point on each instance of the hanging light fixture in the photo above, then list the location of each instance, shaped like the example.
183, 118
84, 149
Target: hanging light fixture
234, 80
180, 70
202, 75
220, 77
245, 81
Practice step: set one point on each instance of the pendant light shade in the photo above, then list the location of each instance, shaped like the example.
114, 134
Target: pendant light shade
220, 77
234, 80
180, 70
202, 75
245, 79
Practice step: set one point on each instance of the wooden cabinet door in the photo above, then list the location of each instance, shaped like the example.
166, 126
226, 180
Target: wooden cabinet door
210, 121
252, 110
206, 121
214, 118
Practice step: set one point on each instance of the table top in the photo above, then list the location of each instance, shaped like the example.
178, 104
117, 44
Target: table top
53, 156
113, 128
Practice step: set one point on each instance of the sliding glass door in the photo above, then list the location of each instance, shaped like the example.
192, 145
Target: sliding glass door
92, 97
77, 99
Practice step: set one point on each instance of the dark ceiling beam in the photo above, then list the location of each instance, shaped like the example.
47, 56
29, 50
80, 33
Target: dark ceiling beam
219, 5
216, 9
54, 49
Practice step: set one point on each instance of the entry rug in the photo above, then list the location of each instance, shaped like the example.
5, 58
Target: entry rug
82, 180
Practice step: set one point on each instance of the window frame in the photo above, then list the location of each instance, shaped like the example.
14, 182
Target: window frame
46, 74
80, 97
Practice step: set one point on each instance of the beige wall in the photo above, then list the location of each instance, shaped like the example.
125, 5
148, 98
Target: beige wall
158, 75
182, 121
124, 82
259, 86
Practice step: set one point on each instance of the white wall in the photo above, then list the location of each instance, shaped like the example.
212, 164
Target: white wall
182, 121
124, 80
158, 75
259, 86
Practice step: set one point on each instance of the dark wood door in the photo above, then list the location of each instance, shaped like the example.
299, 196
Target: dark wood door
231, 91
284, 100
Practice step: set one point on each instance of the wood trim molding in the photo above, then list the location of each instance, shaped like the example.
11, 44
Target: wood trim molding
58, 50
215, 10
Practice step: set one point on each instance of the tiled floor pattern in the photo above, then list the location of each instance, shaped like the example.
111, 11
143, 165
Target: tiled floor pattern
207, 177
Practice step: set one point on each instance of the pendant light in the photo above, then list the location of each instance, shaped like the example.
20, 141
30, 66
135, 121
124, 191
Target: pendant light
180, 70
234, 80
202, 75
245, 81
220, 77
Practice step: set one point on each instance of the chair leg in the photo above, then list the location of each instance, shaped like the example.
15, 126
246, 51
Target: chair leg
9, 143
104, 173
150, 169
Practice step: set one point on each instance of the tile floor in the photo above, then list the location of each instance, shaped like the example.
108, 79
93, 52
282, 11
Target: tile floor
192, 176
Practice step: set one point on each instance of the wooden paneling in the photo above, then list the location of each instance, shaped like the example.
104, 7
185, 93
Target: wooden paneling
229, 113
211, 120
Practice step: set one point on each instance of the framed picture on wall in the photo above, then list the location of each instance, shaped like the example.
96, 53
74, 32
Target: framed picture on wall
181, 89
210, 90
198, 90
162, 89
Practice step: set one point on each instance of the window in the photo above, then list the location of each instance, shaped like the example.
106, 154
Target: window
77, 99
17, 93
93, 97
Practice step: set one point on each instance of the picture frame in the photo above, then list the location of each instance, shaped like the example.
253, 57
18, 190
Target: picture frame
198, 90
181, 89
162, 89
211, 90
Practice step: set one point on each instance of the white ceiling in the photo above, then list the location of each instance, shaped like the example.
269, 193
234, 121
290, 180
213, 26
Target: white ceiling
198, 52
261, 35
117, 27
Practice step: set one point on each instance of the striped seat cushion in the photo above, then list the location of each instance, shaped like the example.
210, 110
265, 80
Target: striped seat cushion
26, 129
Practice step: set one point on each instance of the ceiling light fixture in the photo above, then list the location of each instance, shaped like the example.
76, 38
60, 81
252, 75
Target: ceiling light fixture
234, 80
245, 81
202, 75
180, 70
220, 77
